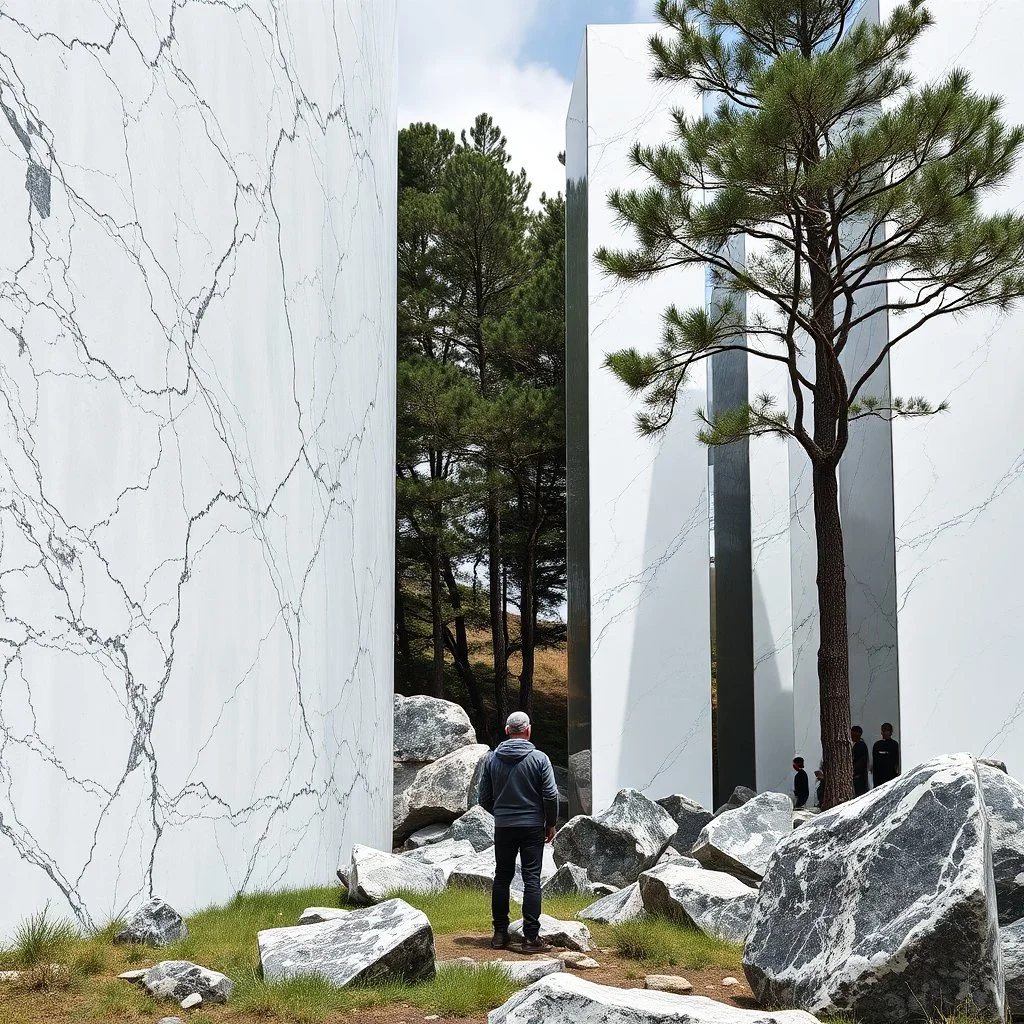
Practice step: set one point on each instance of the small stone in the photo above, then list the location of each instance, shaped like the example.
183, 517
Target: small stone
135, 977
433, 1016
564, 934
588, 963
177, 979
576, 959
170, 1020
8, 976
189, 1001
730, 982
155, 923
667, 983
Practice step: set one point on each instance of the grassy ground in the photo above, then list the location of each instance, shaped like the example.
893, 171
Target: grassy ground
67, 978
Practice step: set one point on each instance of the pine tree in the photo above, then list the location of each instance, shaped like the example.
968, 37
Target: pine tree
855, 193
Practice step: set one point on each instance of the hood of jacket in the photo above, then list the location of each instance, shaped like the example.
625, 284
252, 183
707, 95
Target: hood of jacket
512, 751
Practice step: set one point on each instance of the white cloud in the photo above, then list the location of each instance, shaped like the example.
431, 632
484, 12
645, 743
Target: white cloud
458, 58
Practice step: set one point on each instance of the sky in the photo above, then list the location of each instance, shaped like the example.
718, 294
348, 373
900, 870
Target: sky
514, 59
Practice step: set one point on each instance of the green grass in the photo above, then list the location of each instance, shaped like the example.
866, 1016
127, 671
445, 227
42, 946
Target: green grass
657, 942
39, 939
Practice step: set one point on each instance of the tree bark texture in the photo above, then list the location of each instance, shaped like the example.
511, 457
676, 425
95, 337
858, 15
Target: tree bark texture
496, 609
437, 622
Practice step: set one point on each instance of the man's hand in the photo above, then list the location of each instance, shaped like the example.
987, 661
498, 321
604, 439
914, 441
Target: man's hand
549, 836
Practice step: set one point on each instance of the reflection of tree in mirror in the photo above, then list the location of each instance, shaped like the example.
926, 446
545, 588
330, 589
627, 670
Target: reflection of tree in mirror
830, 189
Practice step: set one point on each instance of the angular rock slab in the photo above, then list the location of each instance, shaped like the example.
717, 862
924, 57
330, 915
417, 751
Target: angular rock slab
884, 909
616, 845
1011, 940
440, 855
388, 941
714, 903
737, 798
1004, 801
621, 906
476, 826
689, 817
562, 934
437, 793
155, 923
375, 875
427, 728
425, 836
178, 979
568, 999
741, 841
568, 880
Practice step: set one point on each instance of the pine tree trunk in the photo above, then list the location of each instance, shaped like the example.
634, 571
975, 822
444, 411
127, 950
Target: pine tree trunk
404, 679
494, 568
458, 646
528, 626
833, 649
437, 622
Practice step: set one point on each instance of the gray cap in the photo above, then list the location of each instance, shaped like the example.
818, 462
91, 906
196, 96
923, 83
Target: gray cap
517, 722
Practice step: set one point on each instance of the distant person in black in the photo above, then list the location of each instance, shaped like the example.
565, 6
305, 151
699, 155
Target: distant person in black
819, 789
860, 761
885, 757
801, 787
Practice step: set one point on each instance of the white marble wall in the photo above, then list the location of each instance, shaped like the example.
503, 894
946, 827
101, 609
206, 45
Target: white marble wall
196, 446
959, 477
649, 531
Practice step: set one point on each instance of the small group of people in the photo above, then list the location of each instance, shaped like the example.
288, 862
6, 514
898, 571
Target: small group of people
883, 765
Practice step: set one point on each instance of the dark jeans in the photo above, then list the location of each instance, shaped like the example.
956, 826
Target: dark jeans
528, 843
860, 785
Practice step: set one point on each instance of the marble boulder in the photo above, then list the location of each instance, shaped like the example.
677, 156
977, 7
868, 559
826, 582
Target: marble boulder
176, 980
741, 841
563, 934
713, 902
689, 817
884, 908
477, 870
437, 793
476, 826
155, 923
1011, 941
569, 999
374, 875
1004, 801
620, 906
426, 836
737, 798
389, 941
616, 845
427, 728
440, 855
581, 780
568, 880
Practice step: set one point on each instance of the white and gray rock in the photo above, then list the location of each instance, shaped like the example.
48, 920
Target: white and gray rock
884, 908
573, 958
317, 915
176, 980
389, 941
525, 972
476, 826
427, 728
714, 903
569, 999
616, 845
437, 793
440, 855
668, 983
136, 977
621, 906
993, 763
737, 798
477, 870
568, 880
689, 817
803, 815
741, 841
375, 875
562, 934
1004, 801
425, 836
193, 1000
170, 1020
155, 923
580, 779
1011, 940
562, 782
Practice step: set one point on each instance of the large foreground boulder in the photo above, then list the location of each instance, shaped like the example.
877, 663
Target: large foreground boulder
714, 903
741, 841
616, 845
177, 980
1004, 801
884, 908
437, 793
387, 942
689, 817
374, 875
427, 728
155, 923
616, 908
568, 999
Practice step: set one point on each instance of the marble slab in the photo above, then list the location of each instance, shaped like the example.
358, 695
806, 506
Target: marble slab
196, 447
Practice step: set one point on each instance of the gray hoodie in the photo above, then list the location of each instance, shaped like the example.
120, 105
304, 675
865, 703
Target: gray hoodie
518, 786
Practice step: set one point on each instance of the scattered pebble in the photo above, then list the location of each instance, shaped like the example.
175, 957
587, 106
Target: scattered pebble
668, 983
730, 982
135, 977
571, 958
6, 976
433, 1016
170, 1020
191, 1000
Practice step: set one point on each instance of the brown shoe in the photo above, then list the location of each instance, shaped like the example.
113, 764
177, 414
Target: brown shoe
500, 939
537, 945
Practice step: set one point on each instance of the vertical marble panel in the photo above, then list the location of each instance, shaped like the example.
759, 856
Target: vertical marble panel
196, 447
649, 536
959, 477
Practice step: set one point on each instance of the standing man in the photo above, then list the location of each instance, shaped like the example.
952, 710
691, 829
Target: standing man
518, 788
885, 757
860, 761
801, 786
